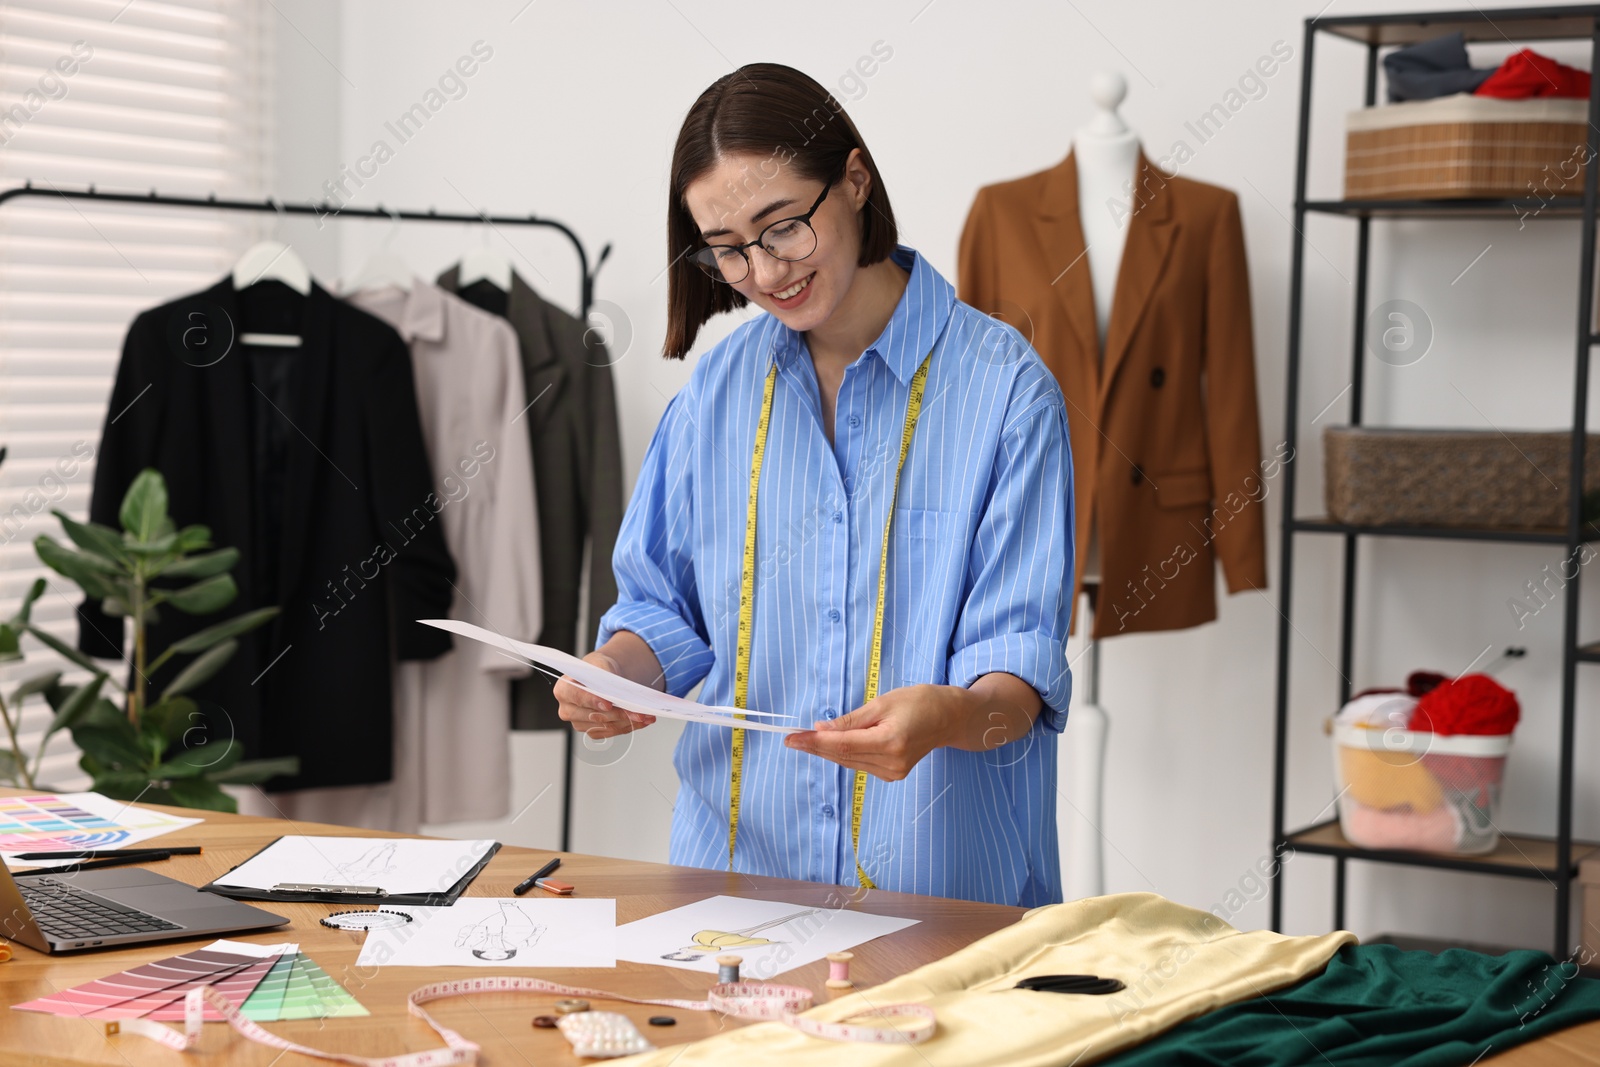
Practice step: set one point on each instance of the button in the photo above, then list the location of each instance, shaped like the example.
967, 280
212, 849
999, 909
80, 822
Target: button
833, 614
827, 811
838, 516
855, 420
1138, 475
829, 713
1158, 378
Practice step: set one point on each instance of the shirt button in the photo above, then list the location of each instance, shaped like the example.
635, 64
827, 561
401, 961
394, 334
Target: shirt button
1158, 378
833, 614
838, 516
855, 420
1137, 476
827, 811
829, 713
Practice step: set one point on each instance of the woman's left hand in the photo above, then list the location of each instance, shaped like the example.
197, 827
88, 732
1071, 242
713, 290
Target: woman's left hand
889, 735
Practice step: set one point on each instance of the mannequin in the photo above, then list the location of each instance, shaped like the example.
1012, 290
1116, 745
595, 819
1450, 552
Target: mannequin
1106, 152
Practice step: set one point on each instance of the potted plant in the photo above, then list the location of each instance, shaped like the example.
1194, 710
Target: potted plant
137, 750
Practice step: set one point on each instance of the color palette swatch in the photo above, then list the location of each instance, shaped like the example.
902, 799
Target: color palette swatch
270, 982
51, 822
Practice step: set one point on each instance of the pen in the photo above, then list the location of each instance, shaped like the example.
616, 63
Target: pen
528, 883
96, 854
95, 865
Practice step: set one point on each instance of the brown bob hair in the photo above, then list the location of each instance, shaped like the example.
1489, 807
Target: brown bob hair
785, 117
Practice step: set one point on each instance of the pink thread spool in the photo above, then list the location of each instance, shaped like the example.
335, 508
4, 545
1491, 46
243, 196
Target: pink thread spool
839, 970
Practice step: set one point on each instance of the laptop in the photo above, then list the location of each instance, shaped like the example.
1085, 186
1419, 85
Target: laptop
72, 910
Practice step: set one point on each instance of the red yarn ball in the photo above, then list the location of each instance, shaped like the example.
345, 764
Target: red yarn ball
1471, 704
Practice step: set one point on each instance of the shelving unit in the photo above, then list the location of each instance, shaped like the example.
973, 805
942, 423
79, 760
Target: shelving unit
1551, 859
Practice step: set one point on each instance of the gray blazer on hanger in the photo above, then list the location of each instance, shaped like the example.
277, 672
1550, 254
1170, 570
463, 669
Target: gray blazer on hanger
577, 469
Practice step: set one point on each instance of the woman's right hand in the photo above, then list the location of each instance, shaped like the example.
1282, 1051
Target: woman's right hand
594, 715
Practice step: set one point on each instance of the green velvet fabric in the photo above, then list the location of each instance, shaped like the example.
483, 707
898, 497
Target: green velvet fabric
1378, 1006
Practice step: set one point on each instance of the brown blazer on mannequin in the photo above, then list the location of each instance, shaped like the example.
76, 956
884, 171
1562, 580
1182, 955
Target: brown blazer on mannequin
1166, 440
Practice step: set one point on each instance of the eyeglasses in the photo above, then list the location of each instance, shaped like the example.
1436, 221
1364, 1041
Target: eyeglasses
787, 239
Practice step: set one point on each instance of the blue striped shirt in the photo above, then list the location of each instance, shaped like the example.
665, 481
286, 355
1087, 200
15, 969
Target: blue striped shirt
980, 580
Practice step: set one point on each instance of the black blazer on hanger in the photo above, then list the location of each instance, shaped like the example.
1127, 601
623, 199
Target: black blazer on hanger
577, 471
361, 555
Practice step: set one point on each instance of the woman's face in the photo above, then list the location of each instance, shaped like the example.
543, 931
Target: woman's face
745, 193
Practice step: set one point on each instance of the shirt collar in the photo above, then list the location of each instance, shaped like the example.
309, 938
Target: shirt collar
918, 319
424, 314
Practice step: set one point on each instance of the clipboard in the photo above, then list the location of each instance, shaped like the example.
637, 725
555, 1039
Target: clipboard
310, 892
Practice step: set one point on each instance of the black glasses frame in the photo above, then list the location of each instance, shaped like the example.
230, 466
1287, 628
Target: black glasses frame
716, 275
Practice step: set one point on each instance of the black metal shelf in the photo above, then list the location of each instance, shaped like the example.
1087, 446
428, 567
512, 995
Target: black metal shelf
1525, 207
1571, 23
1514, 535
1516, 856
1551, 859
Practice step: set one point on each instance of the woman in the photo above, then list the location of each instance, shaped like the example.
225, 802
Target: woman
935, 772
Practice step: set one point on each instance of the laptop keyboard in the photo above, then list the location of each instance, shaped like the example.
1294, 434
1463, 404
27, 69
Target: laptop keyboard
64, 911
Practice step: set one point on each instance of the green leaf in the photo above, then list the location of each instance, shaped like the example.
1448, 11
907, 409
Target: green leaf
89, 572
166, 721
203, 667
115, 747
55, 644
20, 619
200, 793
93, 538
116, 607
204, 596
205, 566
194, 538
39, 683
204, 639
144, 508
251, 772
193, 762
10, 643
77, 705
165, 544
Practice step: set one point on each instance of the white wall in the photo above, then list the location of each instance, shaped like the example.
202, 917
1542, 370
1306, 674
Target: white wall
574, 115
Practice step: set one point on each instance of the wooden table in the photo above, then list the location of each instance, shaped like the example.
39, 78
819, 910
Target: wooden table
500, 1022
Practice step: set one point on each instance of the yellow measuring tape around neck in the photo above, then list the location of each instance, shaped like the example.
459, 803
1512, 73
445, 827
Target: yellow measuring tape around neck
747, 596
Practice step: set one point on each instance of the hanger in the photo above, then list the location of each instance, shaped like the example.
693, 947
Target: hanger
385, 268
271, 261
485, 264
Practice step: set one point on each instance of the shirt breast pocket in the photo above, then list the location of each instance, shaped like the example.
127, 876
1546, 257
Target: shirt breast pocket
927, 557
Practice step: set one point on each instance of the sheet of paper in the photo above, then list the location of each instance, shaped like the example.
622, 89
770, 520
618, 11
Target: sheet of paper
770, 935
623, 692
70, 822
499, 932
395, 864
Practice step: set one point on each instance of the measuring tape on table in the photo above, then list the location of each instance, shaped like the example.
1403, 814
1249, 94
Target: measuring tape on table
747, 595
744, 1000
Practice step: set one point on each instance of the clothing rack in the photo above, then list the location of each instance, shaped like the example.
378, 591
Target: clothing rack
326, 209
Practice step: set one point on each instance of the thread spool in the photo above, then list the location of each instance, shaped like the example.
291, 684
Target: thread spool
839, 970
728, 969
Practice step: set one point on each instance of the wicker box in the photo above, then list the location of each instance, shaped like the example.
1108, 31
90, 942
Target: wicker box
1466, 146
1382, 476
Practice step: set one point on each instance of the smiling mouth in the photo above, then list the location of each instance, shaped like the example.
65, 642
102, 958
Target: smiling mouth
793, 290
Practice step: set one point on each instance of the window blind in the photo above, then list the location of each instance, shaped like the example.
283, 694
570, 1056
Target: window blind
165, 94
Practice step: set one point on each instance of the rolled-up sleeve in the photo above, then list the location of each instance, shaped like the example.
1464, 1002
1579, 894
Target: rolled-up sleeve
654, 559
1016, 615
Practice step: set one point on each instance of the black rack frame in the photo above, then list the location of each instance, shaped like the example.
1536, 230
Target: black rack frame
271, 205
1377, 31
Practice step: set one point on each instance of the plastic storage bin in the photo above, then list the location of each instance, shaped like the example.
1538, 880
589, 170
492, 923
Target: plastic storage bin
1400, 789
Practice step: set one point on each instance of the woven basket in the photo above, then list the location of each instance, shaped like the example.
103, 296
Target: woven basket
1465, 146
1380, 476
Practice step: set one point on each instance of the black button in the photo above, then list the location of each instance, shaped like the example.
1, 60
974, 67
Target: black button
1158, 378
1138, 476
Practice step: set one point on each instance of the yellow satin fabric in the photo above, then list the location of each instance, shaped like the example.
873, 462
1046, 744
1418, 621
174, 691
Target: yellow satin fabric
1177, 962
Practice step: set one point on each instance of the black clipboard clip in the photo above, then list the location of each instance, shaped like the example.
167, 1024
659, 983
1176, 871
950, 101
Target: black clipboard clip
319, 887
